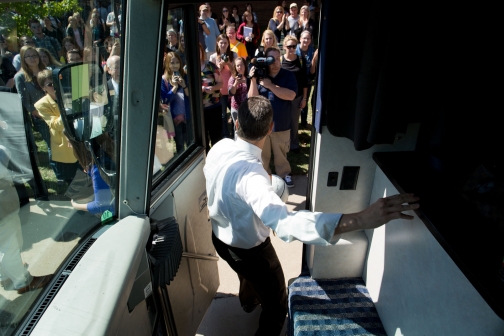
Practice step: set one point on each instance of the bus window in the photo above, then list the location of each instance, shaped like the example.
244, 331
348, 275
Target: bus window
175, 120
57, 179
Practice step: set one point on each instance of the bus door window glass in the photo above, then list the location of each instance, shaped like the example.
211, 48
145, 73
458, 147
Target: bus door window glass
175, 122
58, 145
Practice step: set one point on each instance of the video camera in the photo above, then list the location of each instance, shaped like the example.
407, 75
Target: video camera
261, 63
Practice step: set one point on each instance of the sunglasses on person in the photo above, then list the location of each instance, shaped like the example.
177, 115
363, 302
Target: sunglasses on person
50, 84
225, 10
291, 46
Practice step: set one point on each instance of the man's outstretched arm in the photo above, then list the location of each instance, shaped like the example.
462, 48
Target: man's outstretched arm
380, 212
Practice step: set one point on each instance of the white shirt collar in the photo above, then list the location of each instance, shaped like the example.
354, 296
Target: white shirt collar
248, 147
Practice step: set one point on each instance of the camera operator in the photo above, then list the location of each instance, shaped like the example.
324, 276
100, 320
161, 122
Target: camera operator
279, 87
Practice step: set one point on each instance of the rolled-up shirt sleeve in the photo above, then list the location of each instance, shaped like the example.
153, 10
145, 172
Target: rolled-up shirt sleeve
309, 227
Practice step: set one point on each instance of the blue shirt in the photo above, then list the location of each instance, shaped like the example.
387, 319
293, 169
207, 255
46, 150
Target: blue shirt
211, 40
103, 199
282, 109
308, 57
178, 101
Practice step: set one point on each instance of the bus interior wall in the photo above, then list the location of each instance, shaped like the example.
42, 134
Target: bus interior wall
422, 74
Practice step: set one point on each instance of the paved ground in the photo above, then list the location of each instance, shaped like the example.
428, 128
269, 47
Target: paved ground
225, 316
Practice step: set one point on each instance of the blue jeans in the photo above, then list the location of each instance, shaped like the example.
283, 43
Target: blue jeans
180, 136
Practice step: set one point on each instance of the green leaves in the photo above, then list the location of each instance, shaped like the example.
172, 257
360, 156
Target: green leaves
14, 16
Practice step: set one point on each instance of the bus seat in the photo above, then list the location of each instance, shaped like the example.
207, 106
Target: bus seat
332, 307
345, 259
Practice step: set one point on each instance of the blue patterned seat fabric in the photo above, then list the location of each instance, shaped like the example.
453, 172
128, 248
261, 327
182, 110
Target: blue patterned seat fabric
332, 307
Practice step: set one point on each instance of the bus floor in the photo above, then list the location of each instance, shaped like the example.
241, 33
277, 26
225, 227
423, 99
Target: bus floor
225, 316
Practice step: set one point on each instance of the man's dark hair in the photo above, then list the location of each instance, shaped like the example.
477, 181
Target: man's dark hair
267, 51
32, 20
74, 51
254, 118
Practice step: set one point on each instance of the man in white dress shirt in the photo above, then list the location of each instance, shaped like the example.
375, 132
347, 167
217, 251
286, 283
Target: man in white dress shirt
243, 208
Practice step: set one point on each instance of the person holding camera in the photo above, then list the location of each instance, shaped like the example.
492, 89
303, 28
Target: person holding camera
279, 86
238, 86
175, 92
223, 58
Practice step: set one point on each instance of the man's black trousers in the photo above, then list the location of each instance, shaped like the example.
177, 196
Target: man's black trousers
261, 280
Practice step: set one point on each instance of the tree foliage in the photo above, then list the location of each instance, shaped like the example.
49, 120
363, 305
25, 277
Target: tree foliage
14, 16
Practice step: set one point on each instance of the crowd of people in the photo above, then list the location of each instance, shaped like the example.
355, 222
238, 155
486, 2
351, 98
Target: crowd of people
92, 39
232, 47
229, 46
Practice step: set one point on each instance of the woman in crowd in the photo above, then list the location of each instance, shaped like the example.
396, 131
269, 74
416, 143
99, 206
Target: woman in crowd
67, 44
251, 11
173, 41
210, 87
181, 50
278, 22
268, 40
237, 86
285, 6
295, 64
174, 91
48, 59
30, 92
100, 21
223, 58
75, 32
80, 21
226, 20
97, 31
236, 16
305, 22
251, 40
62, 157
306, 52
107, 47
51, 31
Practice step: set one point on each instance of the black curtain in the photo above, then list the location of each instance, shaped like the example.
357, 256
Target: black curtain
372, 69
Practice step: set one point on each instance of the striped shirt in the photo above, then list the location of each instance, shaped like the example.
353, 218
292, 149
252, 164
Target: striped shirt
50, 43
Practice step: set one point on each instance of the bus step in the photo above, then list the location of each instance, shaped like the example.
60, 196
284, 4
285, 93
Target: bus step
332, 307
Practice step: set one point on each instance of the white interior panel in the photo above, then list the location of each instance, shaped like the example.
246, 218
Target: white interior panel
416, 286
343, 260
93, 300
332, 154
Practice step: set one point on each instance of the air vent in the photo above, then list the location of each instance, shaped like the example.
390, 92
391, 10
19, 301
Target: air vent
44, 304
41, 308
77, 257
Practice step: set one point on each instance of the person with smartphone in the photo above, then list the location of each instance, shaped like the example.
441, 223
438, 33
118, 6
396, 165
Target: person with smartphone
223, 58
175, 93
237, 86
